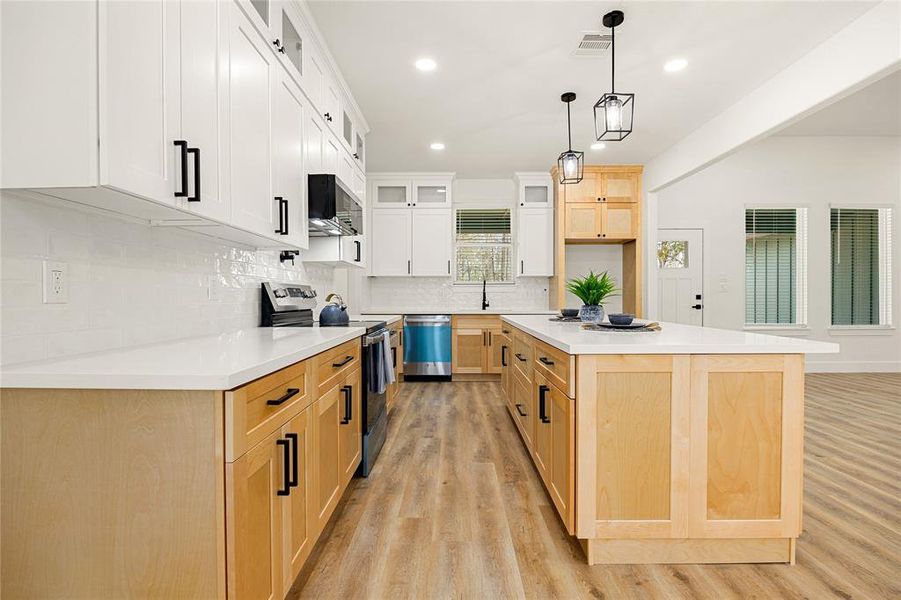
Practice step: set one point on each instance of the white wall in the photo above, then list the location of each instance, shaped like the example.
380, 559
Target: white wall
803, 171
439, 293
129, 283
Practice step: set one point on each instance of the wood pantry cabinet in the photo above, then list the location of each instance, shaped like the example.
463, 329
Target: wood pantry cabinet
666, 458
242, 483
477, 346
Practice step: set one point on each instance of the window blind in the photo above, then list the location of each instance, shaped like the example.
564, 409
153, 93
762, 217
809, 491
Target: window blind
860, 266
775, 266
483, 245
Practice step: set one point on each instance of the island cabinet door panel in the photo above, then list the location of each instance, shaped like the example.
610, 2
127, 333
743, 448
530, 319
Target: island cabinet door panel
544, 434
506, 355
254, 520
561, 414
495, 343
632, 419
351, 432
297, 510
746, 446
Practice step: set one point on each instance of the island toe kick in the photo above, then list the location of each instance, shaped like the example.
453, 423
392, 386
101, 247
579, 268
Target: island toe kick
664, 458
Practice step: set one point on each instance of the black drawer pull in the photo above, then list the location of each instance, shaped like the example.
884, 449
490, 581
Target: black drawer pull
346, 360
348, 391
294, 480
520, 357
503, 356
519, 410
289, 393
286, 456
544, 360
542, 400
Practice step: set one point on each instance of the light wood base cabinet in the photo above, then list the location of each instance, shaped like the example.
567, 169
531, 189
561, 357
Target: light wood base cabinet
131, 493
477, 345
669, 458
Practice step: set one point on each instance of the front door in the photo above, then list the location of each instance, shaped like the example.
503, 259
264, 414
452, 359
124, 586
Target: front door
680, 275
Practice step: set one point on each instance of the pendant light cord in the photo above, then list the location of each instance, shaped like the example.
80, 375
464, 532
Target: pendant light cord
612, 58
569, 128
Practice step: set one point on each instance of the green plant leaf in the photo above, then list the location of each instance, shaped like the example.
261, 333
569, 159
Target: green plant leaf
593, 289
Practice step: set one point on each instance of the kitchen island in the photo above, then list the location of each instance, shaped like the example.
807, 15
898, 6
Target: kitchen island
683, 445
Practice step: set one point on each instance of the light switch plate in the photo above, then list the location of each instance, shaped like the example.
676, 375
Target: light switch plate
56, 282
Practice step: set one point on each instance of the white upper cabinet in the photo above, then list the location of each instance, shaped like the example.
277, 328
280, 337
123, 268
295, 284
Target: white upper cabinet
139, 116
413, 190
289, 186
432, 194
535, 190
314, 139
391, 242
391, 193
331, 151
203, 123
252, 82
292, 44
431, 255
535, 242
331, 105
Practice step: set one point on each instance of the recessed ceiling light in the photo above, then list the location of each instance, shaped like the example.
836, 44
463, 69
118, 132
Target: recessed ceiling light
677, 64
437, 146
598, 146
426, 64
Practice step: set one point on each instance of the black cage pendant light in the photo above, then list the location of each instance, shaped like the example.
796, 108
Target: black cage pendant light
569, 163
613, 112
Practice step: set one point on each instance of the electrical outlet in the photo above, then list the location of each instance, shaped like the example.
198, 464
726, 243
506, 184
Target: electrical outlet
56, 282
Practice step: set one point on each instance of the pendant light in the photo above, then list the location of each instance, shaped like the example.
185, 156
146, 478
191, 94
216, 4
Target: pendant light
569, 163
613, 111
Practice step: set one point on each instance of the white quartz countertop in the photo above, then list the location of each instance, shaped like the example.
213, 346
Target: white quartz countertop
387, 318
673, 338
458, 311
218, 362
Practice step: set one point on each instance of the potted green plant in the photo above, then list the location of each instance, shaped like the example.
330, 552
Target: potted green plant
592, 290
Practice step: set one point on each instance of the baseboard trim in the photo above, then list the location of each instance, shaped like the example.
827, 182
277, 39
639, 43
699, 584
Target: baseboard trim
688, 551
853, 366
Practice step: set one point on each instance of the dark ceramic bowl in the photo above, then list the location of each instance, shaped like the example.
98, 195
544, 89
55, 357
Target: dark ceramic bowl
621, 319
569, 312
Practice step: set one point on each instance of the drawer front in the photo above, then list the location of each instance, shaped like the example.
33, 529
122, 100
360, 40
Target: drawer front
556, 365
336, 363
256, 409
522, 354
477, 321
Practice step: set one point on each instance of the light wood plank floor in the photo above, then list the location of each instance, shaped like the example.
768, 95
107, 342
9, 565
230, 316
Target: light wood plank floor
454, 509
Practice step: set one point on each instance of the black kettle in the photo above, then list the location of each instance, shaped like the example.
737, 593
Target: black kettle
335, 312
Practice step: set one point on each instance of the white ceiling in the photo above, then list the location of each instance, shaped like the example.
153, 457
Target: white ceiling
873, 111
495, 98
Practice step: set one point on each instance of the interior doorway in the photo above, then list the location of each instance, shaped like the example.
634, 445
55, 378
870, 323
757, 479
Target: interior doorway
680, 275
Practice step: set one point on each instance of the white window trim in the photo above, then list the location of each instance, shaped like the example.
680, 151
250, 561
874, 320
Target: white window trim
885, 325
801, 322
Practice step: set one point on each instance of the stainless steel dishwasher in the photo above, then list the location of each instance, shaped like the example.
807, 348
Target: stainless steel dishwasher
427, 346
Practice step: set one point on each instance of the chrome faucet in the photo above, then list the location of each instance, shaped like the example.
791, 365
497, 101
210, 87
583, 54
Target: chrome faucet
484, 295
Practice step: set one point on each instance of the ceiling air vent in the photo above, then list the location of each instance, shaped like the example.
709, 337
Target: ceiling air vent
593, 43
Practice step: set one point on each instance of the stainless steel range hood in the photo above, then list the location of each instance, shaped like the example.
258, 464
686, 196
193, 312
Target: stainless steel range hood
334, 209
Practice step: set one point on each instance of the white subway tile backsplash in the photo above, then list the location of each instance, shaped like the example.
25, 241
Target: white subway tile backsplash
527, 293
129, 283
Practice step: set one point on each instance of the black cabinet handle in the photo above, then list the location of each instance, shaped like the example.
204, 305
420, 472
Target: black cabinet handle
522, 267
346, 360
289, 393
408, 267
196, 153
282, 228
183, 145
394, 355
285, 227
294, 480
519, 410
506, 331
448, 267
359, 250
357, 156
348, 392
503, 356
544, 360
281, 49
286, 458
542, 400
520, 357
328, 117
276, 42
697, 306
